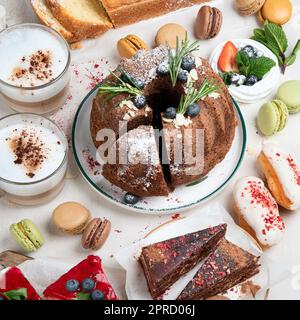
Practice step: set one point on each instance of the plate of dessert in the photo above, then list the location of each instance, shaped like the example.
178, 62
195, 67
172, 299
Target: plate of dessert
198, 259
46, 279
161, 133
249, 69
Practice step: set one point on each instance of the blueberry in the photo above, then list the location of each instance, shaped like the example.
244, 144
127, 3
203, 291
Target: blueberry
188, 63
183, 76
140, 101
193, 110
88, 284
72, 285
251, 81
170, 113
163, 69
139, 83
97, 295
236, 79
1, 298
130, 198
250, 51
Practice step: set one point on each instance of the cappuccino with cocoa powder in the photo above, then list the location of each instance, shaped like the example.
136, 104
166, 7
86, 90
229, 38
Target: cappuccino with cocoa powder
34, 68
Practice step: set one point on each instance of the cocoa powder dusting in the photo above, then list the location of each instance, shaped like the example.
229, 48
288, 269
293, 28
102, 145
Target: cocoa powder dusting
29, 151
37, 66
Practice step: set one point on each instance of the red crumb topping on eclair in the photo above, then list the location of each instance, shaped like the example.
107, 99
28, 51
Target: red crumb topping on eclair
261, 196
295, 169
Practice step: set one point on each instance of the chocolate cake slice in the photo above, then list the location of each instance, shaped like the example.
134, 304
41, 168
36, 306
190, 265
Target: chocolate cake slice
165, 262
225, 268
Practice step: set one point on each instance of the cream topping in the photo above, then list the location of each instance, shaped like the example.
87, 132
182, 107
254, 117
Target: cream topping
263, 88
287, 171
259, 209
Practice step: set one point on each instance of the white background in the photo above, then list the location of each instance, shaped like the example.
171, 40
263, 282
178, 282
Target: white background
129, 227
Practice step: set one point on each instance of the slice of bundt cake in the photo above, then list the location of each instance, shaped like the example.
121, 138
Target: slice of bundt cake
137, 167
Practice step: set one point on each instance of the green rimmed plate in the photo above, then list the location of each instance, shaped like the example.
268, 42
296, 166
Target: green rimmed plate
184, 197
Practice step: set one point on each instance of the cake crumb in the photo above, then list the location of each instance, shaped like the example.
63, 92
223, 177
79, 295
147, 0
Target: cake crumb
249, 288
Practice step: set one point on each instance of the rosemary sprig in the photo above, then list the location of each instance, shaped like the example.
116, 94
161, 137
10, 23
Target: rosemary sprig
121, 87
194, 95
175, 58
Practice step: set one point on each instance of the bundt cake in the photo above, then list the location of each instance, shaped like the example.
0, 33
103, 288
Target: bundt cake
170, 90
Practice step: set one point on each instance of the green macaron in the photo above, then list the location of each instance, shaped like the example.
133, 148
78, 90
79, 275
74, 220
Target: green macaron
289, 93
272, 117
27, 235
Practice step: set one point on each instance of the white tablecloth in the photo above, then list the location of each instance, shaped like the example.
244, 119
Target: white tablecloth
127, 226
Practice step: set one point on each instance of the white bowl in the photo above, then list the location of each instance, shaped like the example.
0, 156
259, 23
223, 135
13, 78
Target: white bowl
263, 88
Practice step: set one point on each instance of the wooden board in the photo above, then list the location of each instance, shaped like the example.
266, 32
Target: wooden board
12, 259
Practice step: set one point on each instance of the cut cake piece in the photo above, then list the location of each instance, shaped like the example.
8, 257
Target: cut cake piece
46, 17
90, 268
141, 173
87, 19
165, 262
226, 267
124, 12
15, 286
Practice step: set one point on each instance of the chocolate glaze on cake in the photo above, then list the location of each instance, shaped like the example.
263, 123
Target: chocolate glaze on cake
225, 268
217, 119
165, 262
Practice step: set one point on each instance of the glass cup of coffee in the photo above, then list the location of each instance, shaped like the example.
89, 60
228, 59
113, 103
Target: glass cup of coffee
34, 159
34, 68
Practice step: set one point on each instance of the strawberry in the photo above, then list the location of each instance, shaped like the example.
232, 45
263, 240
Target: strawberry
226, 61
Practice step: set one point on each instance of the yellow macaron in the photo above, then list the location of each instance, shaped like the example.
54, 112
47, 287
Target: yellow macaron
130, 45
276, 11
71, 217
169, 33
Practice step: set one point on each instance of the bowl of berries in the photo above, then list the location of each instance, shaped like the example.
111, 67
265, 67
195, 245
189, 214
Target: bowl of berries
248, 68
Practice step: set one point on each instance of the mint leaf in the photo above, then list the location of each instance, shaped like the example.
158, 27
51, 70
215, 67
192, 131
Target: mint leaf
261, 66
259, 35
292, 58
243, 62
225, 76
82, 296
20, 294
276, 38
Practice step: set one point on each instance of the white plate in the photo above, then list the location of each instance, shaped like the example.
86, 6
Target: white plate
136, 286
183, 197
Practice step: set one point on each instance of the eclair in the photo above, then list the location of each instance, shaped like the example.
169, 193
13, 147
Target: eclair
257, 212
282, 174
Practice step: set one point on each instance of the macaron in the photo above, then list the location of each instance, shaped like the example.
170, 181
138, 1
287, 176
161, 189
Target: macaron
208, 23
71, 217
130, 45
276, 11
95, 234
249, 7
272, 117
167, 35
289, 93
27, 235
